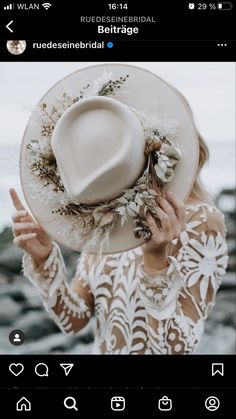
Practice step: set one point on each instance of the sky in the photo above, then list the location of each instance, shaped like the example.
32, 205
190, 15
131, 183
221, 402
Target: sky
209, 87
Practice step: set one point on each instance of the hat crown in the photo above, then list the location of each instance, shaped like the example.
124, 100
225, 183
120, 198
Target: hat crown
99, 147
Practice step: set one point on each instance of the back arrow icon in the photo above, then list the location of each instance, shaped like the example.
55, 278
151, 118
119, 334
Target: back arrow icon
8, 26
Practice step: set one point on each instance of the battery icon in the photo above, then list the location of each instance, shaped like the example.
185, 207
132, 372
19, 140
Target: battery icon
224, 6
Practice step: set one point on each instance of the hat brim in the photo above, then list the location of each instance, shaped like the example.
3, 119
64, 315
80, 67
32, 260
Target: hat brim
145, 92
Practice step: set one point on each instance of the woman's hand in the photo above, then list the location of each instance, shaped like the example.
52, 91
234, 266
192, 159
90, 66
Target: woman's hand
172, 217
28, 235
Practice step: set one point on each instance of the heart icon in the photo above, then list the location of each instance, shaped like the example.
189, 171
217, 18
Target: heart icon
16, 369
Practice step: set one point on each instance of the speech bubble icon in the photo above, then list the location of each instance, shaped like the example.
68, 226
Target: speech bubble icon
41, 370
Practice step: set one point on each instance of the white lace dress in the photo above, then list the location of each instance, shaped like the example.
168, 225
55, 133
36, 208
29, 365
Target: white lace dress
136, 312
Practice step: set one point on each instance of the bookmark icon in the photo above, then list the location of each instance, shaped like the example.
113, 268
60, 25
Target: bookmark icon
217, 368
67, 368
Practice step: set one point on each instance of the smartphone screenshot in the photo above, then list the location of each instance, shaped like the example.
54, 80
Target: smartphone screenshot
118, 213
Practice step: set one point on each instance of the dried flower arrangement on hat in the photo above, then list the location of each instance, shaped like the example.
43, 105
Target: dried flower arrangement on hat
95, 222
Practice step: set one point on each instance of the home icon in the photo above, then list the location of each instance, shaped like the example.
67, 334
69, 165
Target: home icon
23, 405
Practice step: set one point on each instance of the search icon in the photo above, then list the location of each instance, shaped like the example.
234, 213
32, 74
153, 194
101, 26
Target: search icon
41, 370
71, 404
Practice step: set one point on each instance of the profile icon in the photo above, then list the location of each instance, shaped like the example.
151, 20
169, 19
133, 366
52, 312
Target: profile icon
212, 403
16, 47
16, 337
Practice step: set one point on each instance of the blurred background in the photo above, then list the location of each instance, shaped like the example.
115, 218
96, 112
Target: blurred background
210, 90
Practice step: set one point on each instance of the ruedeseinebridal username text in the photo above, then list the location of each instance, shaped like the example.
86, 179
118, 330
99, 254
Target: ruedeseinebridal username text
69, 45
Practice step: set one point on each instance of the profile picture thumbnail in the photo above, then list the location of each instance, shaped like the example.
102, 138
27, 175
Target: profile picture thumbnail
16, 47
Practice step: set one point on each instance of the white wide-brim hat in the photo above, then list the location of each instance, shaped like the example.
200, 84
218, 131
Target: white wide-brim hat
98, 142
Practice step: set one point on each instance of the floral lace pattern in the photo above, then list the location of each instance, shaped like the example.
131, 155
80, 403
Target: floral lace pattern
59, 299
138, 312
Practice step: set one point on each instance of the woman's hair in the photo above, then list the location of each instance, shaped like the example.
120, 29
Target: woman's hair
198, 190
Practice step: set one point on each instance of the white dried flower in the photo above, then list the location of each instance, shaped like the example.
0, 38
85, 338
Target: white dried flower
99, 82
107, 219
47, 153
167, 159
172, 152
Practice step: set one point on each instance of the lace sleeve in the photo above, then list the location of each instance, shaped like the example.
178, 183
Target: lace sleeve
70, 306
178, 299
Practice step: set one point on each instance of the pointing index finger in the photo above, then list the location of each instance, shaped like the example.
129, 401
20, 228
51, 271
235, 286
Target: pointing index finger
16, 200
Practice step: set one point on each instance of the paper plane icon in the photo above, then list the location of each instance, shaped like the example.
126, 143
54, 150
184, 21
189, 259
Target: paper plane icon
67, 368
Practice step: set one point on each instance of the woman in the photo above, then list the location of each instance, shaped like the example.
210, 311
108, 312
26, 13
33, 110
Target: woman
16, 47
151, 300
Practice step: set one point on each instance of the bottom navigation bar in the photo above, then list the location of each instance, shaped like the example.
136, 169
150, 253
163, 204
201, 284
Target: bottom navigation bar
108, 402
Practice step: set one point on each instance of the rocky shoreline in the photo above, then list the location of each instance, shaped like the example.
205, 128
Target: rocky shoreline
21, 308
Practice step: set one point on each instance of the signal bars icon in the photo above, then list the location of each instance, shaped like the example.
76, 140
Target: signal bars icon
9, 7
